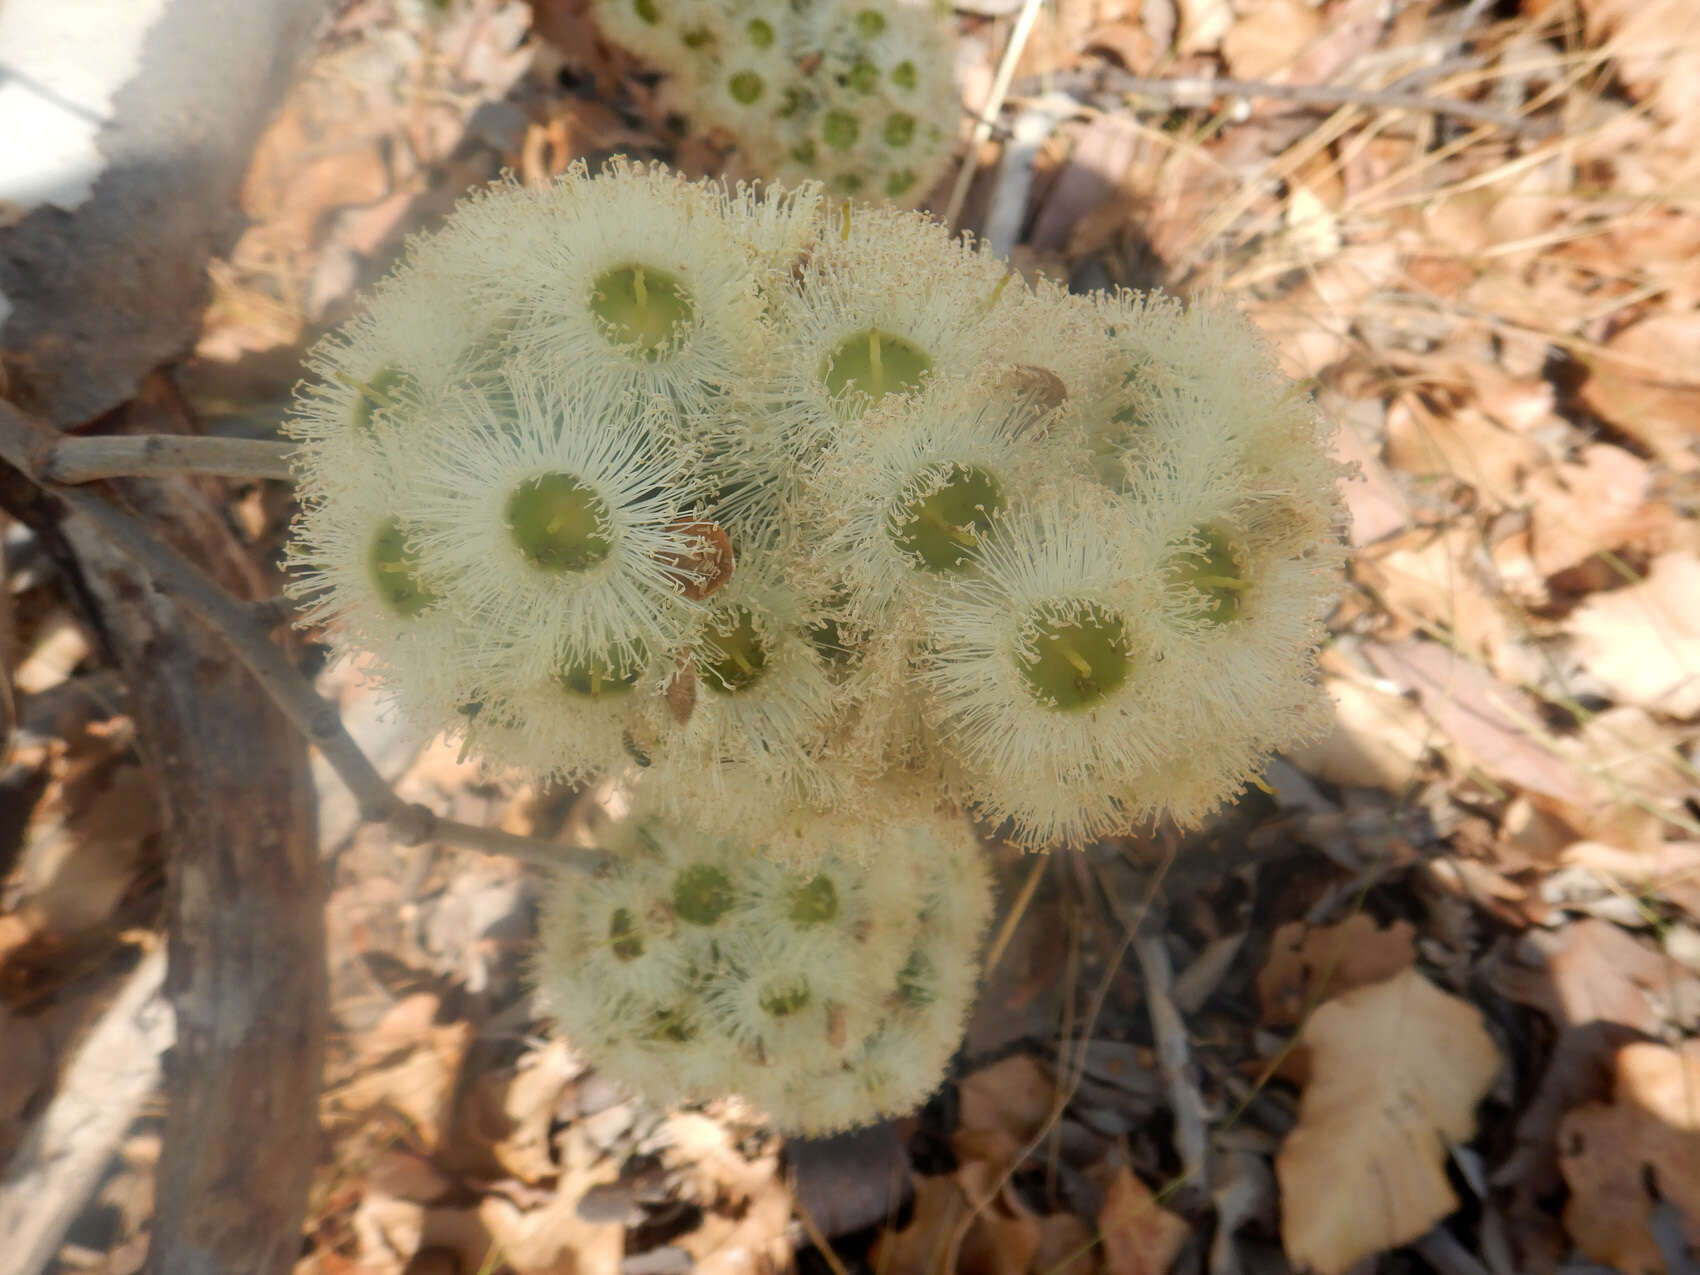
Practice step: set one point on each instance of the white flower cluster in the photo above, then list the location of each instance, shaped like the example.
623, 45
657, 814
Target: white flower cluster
829, 991
825, 520
777, 499
855, 93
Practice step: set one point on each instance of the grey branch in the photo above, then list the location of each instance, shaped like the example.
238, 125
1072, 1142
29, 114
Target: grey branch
1201, 90
22, 440
84, 459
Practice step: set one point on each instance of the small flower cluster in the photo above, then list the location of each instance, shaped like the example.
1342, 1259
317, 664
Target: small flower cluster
855, 93
829, 991
823, 519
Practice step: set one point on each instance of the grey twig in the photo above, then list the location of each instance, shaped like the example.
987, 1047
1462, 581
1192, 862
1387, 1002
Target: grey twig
23, 440
1201, 90
1174, 1059
72, 459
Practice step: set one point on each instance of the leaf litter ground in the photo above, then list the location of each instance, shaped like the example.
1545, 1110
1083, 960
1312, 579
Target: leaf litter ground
1425, 1004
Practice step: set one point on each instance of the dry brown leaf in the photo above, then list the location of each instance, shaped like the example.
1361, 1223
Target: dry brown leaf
1610, 1153
1495, 726
1202, 24
1003, 1236
1588, 972
419, 1086
1462, 443
1376, 502
1432, 579
1265, 42
1067, 1246
1014, 1096
920, 1247
1308, 965
1579, 509
1657, 54
1643, 641
1644, 382
1668, 870
554, 1239
1377, 738
1397, 1069
1141, 1237
1636, 781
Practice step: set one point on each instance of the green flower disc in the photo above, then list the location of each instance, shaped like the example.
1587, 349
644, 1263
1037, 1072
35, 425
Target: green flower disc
941, 530
1213, 575
702, 894
559, 523
642, 309
1077, 660
782, 997
394, 570
734, 655
814, 902
875, 363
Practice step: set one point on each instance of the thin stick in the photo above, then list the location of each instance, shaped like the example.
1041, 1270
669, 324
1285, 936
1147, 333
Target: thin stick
1174, 1060
989, 113
1200, 90
82, 460
23, 439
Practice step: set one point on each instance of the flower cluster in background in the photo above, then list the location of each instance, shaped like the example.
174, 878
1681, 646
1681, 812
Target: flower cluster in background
821, 518
827, 994
857, 94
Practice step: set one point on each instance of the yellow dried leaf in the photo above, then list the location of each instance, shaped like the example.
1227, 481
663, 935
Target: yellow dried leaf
1397, 1069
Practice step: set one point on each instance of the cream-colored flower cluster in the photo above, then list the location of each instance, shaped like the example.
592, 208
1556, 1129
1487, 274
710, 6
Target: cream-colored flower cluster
829, 991
857, 94
819, 517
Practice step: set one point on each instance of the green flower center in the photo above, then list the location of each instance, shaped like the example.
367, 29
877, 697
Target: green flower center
897, 185
759, 32
782, 997
612, 673
394, 569
875, 363
1211, 573
642, 309
864, 77
646, 10
559, 523
623, 936
942, 530
379, 391
814, 902
870, 22
734, 655
840, 130
899, 129
1077, 660
702, 894
745, 87
915, 981
904, 75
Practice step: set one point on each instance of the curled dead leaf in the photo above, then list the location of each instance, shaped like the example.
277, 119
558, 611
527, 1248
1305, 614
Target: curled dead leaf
1397, 1069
